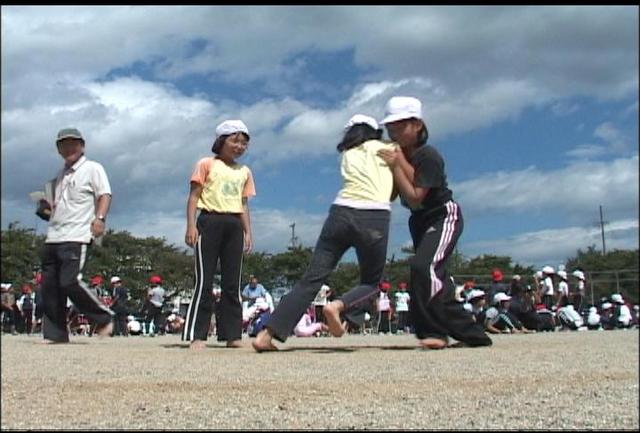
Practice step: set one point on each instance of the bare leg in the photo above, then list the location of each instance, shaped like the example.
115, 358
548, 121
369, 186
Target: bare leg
105, 330
235, 344
197, 345
263, 343
332, 312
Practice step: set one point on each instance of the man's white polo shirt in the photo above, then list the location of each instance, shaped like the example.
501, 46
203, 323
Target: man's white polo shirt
75, 193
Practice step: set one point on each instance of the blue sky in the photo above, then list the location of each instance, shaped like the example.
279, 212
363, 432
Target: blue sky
535, 110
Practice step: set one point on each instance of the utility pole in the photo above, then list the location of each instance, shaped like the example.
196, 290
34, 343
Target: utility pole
293, 235
602, 223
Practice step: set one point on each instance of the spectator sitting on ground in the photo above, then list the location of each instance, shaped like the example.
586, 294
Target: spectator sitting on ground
522, 306
476, 304
634, 315
593, 319
607, 318
569, 318
499, 320
133, 326
175, 322
621, 312
307, 328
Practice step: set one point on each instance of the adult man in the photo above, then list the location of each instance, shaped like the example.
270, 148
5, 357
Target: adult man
120, 296
76, 206
253, 290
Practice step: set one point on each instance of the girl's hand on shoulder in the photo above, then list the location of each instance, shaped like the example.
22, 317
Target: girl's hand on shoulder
389, 156
192, 236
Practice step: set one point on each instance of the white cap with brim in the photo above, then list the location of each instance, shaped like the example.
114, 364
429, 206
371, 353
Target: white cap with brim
229, 127
475, 293
401, 108
500, 296
115, 280
362, 119
617, 298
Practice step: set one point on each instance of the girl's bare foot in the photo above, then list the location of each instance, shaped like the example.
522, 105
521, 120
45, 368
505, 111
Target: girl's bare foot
197, 345
331, 312
262, 342
235, 344
433, 343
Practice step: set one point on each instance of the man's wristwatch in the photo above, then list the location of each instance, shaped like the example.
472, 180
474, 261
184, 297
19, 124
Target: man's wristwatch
101, 218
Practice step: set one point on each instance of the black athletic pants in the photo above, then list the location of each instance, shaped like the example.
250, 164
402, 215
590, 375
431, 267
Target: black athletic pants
221, 238
435, 312
367, 231
62, 265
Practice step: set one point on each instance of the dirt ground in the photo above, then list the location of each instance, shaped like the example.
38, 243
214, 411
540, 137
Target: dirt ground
562, 380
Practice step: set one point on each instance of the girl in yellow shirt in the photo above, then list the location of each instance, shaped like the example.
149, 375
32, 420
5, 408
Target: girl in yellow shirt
220, 190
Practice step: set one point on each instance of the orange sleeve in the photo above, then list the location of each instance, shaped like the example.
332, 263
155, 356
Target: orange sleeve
201, 171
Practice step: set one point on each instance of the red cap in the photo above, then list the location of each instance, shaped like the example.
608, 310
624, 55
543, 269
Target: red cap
97, 280
497, 275
26, 288
385, 285
155, 279
402, 285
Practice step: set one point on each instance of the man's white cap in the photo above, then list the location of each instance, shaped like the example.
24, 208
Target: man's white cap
361, 118
401, 108
6, 286
548, 270
617, 298
475, 293
229, 127
500, 296
115, 280
578, 274
562, 274
606, 305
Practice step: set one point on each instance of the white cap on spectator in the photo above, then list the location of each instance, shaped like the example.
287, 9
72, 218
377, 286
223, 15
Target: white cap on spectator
500, 296
361, 118
548, 270
578, 274
617, 298
562, 274
606, 305
115, 279
474, 293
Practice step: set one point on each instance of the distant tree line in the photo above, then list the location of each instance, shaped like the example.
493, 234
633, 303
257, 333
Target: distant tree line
136, 259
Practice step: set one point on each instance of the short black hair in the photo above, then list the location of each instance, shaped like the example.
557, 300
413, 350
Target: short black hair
358, 134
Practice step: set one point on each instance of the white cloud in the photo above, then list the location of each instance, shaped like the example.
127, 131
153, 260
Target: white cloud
573, 190
554, 246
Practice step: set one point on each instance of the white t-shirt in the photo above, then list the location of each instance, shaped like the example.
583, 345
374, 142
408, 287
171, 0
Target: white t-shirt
74, 193
548, 286
563, 288
402, 301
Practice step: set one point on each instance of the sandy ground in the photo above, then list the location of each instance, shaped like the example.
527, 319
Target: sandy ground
562, 380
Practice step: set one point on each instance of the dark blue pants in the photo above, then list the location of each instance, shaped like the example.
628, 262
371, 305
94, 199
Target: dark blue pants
365, 230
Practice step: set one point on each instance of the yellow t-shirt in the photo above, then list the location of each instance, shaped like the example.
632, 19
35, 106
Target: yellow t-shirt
223, 186
367, 179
